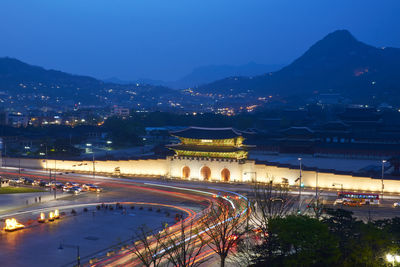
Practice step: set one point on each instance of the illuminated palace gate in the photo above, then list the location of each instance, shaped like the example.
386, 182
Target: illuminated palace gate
219, 146
185, 172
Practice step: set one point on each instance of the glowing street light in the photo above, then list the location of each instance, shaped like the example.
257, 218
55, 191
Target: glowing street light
383, 171
42, 218
51, 216
392, 258
56, 214
12, 225
300, 183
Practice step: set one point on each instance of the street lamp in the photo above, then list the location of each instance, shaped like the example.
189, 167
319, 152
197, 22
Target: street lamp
253, 179
383, 171
94, 168
78, 257
341, 186
392, 258
299, 159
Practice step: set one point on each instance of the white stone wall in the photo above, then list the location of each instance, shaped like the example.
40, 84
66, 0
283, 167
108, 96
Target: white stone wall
146, 167
239, 171
176, 164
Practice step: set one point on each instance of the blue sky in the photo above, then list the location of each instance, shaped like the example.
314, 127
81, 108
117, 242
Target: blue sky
166, 39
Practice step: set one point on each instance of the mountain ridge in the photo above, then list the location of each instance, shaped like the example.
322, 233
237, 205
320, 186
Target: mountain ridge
337, 63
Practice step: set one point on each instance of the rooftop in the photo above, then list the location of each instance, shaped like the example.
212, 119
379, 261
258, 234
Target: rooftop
221, 149
207, 133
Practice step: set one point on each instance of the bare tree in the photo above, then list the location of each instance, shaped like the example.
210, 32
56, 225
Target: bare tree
317, 206
184, 247
270, 201
223, 228
148, 246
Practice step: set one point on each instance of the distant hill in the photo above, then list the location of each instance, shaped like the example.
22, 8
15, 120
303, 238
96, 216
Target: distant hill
37, 86
207, 74
338, 63
17, 75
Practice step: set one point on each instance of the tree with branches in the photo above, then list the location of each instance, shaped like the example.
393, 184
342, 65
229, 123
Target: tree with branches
223, 229
148, 246
184, 247
270, 202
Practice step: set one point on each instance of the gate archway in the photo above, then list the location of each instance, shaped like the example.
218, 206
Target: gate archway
185, 172
225, 175
205, 173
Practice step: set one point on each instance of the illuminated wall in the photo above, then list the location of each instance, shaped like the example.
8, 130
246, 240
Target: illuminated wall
147, 167
242, 171
216, 165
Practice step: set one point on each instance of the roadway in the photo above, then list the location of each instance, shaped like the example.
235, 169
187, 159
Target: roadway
180, 193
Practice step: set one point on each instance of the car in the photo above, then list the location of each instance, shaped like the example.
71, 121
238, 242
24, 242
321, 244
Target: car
59, 185
338, 201
87, 186
36, 182
28, 181
396, 204
50, 184
20, 180
66, 188
14, 181
74, 190
352, 203
95, 188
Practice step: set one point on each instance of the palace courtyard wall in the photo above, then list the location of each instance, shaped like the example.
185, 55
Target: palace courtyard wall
238, 170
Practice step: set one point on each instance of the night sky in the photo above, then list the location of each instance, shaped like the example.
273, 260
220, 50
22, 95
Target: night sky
166, 39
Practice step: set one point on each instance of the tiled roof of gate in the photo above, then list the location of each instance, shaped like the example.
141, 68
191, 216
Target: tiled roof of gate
224, 149
207, 133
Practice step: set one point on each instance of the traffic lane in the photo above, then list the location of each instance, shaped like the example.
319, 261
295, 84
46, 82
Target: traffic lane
132, 190
328, 195
237, 187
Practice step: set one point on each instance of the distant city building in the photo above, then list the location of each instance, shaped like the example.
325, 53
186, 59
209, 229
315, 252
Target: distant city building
120, 111
15, 119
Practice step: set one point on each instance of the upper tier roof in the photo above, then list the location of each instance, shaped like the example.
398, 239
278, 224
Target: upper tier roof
207, 133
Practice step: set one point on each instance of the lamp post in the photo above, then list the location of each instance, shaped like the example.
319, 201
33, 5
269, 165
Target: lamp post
55, 179
341, 186
47, 159
316, 184
299, 159
383, 171
255, 176
392, 258
78, 257
19, 168
94, 168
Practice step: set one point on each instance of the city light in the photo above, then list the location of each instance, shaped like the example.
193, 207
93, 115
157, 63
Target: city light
51, 216
12, 225
392, 258
42, 218
56, 214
